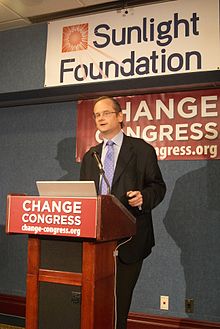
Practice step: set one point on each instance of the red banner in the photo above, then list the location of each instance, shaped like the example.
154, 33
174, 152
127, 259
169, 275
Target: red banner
74, 217
181, 125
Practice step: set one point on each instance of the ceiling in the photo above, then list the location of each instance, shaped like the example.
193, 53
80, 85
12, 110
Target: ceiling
19, 13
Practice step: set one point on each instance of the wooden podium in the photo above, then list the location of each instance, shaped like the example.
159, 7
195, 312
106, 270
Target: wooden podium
52, 258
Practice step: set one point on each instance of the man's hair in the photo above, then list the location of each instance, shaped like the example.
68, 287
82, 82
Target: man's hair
116, 105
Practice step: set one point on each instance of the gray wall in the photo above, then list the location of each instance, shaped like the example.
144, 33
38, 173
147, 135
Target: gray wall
31, 138
185, 261
22, 55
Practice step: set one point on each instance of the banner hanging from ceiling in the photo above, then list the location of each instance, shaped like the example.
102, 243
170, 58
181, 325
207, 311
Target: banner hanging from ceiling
181, 125
151, 40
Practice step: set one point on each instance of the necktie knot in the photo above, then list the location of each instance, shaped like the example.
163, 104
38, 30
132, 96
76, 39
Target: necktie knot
109, 143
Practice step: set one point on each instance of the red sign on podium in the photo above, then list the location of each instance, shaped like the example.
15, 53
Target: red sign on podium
56, 216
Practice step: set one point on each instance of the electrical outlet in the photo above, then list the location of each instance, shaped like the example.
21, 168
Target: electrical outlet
189, 305
76, 297
164, 303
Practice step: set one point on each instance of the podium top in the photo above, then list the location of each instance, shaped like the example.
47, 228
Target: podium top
67, 188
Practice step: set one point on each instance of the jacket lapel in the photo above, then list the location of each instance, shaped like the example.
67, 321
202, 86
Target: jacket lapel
98, 149
124, 157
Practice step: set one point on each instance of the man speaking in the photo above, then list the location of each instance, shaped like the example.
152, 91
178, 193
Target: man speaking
132, 174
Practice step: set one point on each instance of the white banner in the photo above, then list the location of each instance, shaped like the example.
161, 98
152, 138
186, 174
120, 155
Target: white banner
160, 39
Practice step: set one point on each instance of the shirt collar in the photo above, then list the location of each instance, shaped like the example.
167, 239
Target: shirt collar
117, 139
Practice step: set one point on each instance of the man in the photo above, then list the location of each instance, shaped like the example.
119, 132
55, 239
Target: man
137, 183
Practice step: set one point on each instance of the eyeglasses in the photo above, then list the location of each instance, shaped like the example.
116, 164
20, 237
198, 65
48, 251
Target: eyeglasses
104, 114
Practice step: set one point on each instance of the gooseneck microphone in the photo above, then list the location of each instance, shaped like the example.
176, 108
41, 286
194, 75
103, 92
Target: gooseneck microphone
98, 161
101, 170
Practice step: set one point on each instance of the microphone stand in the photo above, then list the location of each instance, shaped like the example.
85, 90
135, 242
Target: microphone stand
102, 173
101, 170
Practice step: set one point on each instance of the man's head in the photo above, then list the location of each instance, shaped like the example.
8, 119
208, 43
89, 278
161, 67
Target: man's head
108, 116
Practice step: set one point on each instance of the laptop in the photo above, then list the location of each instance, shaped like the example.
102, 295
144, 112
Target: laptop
67, 188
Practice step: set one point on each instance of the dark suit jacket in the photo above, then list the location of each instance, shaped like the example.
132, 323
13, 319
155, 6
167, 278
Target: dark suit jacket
136, 169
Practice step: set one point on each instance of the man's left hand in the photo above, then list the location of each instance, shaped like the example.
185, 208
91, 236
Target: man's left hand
135, 198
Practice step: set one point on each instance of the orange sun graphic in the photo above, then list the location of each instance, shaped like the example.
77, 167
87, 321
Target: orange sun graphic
75, 38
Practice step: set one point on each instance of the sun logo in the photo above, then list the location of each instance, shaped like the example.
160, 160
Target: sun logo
75, 38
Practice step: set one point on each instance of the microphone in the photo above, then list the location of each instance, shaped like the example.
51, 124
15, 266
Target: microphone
96, 156
98, 161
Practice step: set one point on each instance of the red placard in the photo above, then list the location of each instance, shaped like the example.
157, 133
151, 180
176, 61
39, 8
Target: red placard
181, 125
57, 216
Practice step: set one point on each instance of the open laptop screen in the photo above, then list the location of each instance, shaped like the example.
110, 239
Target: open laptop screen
67, 188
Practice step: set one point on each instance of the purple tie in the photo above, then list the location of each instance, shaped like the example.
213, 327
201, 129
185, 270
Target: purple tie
108, 167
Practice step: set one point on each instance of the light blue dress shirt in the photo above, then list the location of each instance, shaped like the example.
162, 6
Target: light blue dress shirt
118, 139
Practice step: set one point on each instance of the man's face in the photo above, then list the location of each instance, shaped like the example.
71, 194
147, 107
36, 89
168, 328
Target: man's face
106, 118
